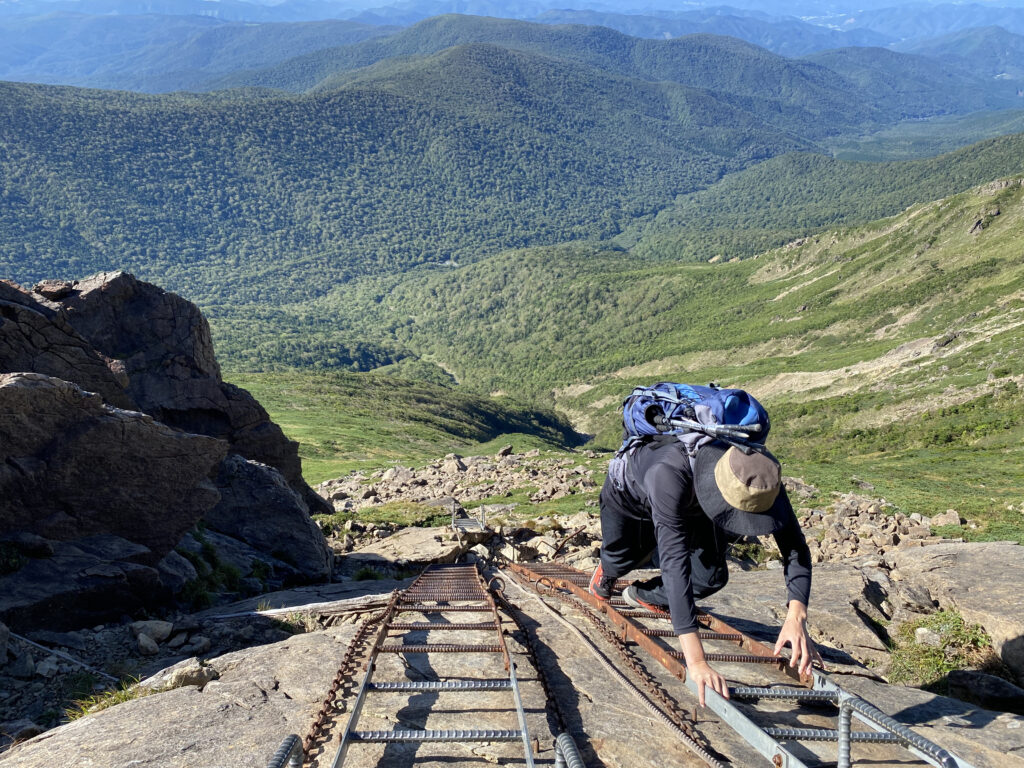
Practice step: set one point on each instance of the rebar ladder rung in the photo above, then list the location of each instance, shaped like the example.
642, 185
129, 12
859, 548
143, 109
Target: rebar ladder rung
439, 648
828, 734
424, 608
427, 626
447, 735
443, 685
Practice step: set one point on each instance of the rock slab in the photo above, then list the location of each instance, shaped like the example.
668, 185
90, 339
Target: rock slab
71, 466
983, 581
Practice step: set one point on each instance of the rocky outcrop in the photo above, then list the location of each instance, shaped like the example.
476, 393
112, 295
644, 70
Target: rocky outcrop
91, 497
163, 346
114, 421
984, 582
71, 466
858, 526
415, 547
88, 581
468, 479
258, 507
34, 336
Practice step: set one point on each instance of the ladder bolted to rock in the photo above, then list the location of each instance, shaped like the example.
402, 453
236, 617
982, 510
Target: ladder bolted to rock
772, 742
439, 589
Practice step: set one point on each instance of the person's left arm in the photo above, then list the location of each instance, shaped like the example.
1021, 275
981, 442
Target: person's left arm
796, 565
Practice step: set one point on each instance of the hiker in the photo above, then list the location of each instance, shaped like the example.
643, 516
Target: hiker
685, 505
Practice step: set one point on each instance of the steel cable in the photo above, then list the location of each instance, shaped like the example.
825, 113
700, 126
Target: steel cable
686, 738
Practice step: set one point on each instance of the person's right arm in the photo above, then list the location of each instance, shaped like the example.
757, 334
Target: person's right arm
698, 668
669, 492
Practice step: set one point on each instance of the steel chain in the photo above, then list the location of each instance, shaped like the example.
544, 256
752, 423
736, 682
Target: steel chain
345, 672
671, 707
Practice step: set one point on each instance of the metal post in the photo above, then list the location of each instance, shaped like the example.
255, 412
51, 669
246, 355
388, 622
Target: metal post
290, 750
845, 720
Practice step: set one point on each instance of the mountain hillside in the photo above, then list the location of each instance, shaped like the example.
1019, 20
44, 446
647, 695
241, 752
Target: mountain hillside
991, 52
878, 349
795, 95
789, 196
785, 36
921, 21
154, 53
615, 312
906, 84
273, 198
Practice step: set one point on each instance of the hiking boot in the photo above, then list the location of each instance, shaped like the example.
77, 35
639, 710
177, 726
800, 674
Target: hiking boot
601, 586
647, 595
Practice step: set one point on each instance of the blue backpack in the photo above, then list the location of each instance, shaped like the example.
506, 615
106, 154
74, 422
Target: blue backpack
731, 415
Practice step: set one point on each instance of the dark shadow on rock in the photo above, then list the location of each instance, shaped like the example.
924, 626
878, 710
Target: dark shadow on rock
563, 689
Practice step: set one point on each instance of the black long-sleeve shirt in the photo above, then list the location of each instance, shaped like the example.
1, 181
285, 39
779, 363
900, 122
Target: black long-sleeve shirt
661, 478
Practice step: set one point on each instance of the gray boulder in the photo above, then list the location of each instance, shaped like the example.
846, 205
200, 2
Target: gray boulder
258, 507
5, 635
247, 561
164, 345
72, 467
841, 614
983, 581
91, 497
87, 581
986, 690
34, 336
175, 571
415, 546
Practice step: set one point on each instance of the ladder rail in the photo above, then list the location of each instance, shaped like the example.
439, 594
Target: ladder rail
770, 742
430, 593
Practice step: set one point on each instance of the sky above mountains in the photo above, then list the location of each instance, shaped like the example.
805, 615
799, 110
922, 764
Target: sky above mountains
829, 11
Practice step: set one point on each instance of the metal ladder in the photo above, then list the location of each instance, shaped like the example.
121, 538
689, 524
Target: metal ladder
438, 590
771, 742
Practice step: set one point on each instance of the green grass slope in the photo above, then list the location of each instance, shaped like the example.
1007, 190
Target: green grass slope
346, 421
887, 354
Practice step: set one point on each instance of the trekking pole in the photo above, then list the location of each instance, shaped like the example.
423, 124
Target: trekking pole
739, 431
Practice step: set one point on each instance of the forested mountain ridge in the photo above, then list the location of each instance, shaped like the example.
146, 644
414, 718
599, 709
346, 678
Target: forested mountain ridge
155, 53
507, 323
906, 84
987, 51
797, 95
228, 197
785, 36
791, 195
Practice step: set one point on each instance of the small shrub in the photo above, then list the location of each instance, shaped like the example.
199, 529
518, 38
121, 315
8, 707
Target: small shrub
752, 550
126, 691
962, 646
196, 593
367, 574
297, 623
11, 559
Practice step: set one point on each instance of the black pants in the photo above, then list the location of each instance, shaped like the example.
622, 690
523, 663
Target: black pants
628, 542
